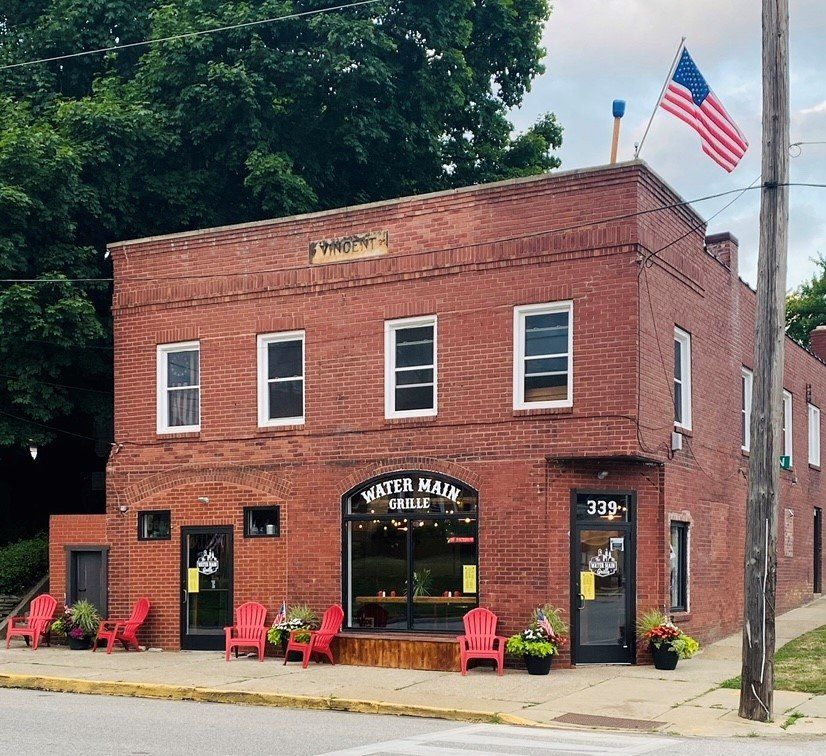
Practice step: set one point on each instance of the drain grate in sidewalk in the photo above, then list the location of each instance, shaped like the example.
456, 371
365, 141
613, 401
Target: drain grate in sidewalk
620, 723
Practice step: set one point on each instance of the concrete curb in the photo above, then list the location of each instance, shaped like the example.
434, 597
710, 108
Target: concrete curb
212, 695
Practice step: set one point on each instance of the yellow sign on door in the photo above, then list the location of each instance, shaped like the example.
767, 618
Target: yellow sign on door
193, 580
468, 578
587, 586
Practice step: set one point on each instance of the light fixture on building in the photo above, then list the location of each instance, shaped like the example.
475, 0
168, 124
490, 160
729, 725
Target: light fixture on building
123, 509
602, 474
33, 449
203, 499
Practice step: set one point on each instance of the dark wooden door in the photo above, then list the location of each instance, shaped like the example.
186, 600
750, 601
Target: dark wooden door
88, 578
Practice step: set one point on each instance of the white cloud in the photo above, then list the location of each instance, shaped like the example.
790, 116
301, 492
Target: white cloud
601, 50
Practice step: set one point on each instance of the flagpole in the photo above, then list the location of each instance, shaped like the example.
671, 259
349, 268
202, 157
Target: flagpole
660, 98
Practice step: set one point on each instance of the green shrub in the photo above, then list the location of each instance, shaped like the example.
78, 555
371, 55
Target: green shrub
23, 563
303, 613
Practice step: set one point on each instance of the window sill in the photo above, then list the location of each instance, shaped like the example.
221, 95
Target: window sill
682, 430
745, 452
415, 420
176, 436
814, 467
527, 412
681, 617
270, 430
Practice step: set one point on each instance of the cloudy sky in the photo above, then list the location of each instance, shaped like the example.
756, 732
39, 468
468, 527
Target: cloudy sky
599, 50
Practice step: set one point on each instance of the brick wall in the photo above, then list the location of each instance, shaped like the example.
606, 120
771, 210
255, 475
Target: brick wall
76, 530
469, 257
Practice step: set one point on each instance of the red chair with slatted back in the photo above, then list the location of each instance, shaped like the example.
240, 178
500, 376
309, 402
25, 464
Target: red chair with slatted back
36, 623
125, 631
320, 639
480, 640
250, 629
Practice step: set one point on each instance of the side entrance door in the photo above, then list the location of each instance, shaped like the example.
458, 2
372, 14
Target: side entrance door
206, 582
603, 591
86, 571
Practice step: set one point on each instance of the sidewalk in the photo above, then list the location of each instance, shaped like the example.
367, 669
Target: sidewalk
687, 701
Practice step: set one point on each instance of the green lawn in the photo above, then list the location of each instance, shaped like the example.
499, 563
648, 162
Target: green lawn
799, 665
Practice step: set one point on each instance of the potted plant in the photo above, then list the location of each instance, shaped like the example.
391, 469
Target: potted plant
668, 643
299, 617
540, 641
79, 623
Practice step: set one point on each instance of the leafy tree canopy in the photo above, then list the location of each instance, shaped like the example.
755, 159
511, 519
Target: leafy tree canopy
806, 307
394, 98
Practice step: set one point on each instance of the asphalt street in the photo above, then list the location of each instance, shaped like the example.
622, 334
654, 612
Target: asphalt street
34, 722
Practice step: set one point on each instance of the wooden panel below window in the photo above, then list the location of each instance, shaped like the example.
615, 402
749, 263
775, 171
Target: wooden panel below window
406, 652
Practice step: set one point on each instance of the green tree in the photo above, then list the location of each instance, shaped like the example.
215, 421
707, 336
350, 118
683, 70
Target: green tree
340, 108
806, 307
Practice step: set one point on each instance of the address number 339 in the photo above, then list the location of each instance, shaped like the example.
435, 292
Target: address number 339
602, 507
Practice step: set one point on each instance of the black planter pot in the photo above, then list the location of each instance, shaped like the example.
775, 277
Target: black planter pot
665, 657
294, 655
79, 644
538, 665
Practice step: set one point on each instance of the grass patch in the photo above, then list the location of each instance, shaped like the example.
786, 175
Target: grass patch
791, 719
798, 665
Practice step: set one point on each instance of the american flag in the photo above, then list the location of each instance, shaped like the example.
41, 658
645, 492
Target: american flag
689, 97
543, 622
282, 614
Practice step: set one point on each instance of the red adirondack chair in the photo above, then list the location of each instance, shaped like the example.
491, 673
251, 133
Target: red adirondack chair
249, 630
320, 639
37, 623
125, 631
480, 640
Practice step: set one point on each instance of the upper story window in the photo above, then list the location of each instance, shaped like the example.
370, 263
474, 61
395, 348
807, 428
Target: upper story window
788, 432
410, 373
814, 435
543, 353
682, 378
747, 384
281, 378
179, 387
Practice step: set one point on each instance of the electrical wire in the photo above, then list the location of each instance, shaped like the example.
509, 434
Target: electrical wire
518, 237
188, 35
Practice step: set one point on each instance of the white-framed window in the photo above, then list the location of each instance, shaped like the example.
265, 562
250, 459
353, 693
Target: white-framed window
788, 431
543, 354
281, 379
179, 387
410, 367
682, 378
746, 390
814, 435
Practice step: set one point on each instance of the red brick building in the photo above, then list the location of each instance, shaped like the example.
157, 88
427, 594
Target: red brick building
525, 392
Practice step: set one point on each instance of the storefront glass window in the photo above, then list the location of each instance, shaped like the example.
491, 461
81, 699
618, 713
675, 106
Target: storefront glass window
411, 553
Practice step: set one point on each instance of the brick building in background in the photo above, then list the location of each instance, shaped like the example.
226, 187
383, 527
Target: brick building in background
526, 392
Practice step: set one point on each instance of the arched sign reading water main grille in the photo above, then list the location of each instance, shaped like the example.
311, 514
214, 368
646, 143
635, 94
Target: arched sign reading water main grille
410, 552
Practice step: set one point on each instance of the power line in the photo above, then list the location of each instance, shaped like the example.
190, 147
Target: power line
48, 427
55, 385
518, 237
187, 35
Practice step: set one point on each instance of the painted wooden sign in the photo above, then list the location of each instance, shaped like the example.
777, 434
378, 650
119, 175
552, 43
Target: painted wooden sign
346, 248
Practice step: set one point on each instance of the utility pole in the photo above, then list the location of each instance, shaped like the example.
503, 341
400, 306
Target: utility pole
757, 681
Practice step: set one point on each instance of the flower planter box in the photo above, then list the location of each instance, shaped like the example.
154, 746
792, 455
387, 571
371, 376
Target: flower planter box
538, 665
79, 644
665, 657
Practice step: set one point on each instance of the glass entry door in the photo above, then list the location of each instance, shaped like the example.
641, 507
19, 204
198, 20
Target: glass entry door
206, 574
603, 588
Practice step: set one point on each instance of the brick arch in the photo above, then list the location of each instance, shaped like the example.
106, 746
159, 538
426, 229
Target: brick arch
428, 464
244, 475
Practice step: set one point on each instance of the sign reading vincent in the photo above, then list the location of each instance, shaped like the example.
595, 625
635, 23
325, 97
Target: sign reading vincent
345, 248
412, 493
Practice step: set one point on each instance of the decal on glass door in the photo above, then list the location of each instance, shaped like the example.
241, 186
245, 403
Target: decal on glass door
603, 564
207, 563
